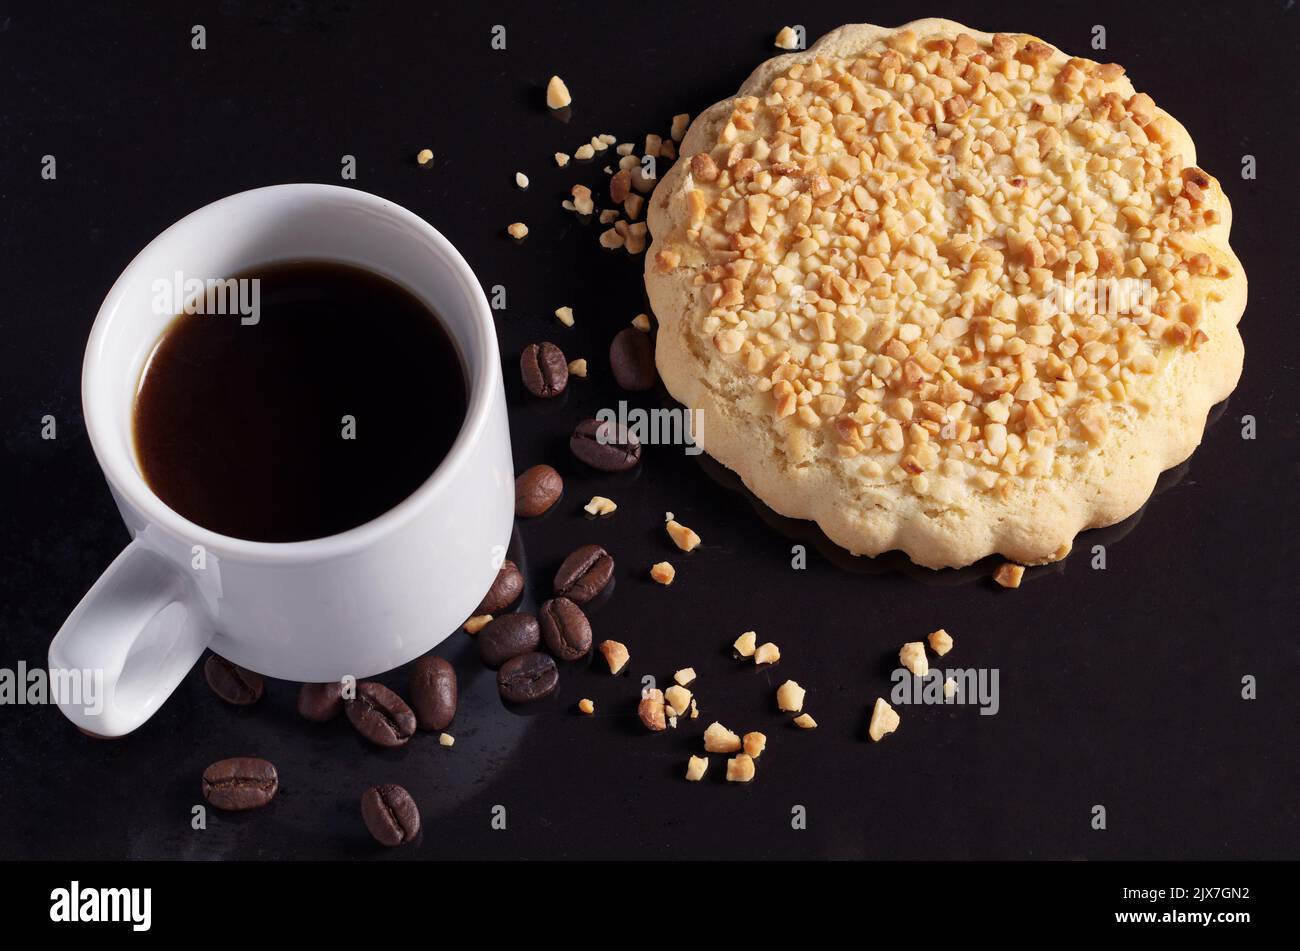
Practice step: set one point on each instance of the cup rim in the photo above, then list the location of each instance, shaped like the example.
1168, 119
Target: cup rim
128, 481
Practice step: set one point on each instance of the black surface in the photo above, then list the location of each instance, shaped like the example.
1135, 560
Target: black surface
1119, 687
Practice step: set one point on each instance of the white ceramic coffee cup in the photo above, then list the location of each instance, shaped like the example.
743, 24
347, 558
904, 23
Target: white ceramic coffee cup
357, 603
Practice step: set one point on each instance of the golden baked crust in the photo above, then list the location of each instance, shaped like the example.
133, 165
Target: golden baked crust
862, 267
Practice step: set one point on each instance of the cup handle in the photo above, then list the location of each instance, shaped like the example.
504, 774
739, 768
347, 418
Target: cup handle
126, 646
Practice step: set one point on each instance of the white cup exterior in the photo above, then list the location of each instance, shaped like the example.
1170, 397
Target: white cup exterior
357, 603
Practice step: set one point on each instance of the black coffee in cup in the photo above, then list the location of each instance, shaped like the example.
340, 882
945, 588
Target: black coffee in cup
333, 405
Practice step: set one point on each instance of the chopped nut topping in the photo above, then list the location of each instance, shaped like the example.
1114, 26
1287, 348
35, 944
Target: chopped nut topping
682, 537
578, 368
680, 124
557, 94
718, 739
477, 623
608, 215
611, 239
582, 201
446, 739
663, 572
518, 230
586, 706
767, 653
787, 39
632, 206
740, 769
521, 180
685, 676
651, 710
754, 744
584, 152
678, 700
561, 159
744, 644
424, 156
599, 505
696, 767
615, 654
1008, 574
641, 322
884, 720
912, 656
940, 641
564, 315
789, 697
804, 721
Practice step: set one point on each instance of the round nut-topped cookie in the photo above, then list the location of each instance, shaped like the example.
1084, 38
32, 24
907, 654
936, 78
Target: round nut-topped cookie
944, 291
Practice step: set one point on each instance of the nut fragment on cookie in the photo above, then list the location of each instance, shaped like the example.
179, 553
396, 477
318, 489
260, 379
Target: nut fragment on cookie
744, 645
517, 230
718, 739
586, 706
940, 641
477, 623
767, 653
787, 38
424, 156
615, 654
804, 721
663, 572
446, 739
685, 676
564, 315
651, 710
740, 769
678, 700
682, 537
578, 368
912, 656
884, 720
599, 505
557, 93
789, 697
1009, 574
696, 767
754, 744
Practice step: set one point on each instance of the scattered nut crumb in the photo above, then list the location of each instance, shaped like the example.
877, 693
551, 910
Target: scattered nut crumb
912, 656
744, 644
565, 315
641, 322
651, 710
672, 722
696, 767
652, 144
446, 739
611, 239
884, 720
789, 697
740, 769
754, 744
663, 572
787, 39
682, 537
599, 505
678, 700
624, 148
668, 150
561, 159
597, 145
424, 156
586, 706
584, 152
608, 215
582, 201
635, 239
685, 676
557, 94
578, 368
632, 206
940, 641
521, 179
477, 623
949, 687
1009, 575
615, 655
718, 739
767, 653
518, 230
680, 123
804, 721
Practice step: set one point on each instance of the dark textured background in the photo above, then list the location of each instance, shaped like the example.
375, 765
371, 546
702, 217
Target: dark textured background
1119, 687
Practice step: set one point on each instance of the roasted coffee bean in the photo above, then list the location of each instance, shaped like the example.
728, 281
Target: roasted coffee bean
505, 590
231, 682
544, 369
584, 574
320, 702
565, 629
527, 677
536, 490
508, 636
632, 359
380, 715
243, 782
433, 693
390, 814
605, 445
